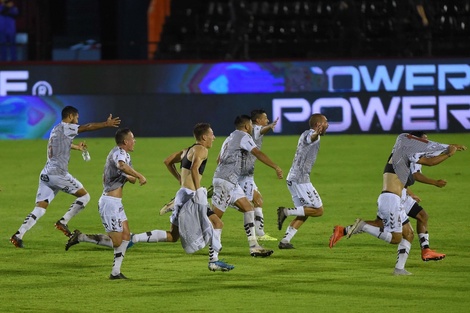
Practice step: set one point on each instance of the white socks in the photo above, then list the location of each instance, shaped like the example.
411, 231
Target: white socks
402, 253
99, 239
290, 233
76, 207
377, 232
297, 211
249, 225
30, 220
424, 240
119, 253
259, 221
150, 236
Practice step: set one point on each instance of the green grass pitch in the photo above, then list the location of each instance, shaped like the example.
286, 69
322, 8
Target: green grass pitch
354, 276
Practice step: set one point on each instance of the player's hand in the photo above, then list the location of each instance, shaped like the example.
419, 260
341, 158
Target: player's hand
278, 172
82, 146
451, 150
142, 180
319, 128
440, 183
273, 124
112, 122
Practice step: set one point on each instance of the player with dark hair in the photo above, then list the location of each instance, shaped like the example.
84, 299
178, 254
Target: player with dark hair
261, 126
410, 204
227, 191
306, 199
55, 176
391, 224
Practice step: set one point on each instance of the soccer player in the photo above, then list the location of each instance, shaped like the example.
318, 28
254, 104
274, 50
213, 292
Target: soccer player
118, 170
408, 149
192, 161
306, 199
412, 208
261, 127
227, 191
55, 176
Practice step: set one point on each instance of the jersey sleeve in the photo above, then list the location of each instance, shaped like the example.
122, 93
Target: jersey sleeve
308, 137
71, 130
257, 132
414, 158
247, 143
120, 155
415, 167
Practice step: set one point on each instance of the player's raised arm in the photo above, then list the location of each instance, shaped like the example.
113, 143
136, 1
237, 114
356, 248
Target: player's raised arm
110, 122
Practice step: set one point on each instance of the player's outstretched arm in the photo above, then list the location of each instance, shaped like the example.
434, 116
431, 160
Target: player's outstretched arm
265, 129
110, 122
266, 160
418, 176
438, 159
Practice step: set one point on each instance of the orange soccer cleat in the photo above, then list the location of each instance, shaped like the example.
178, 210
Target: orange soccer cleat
338, 233
430, 255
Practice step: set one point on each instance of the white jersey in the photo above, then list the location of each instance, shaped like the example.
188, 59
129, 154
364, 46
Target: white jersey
58, 148
415, 168
249, 168
257, 136
304, 159
234, 156
113, 178
407, 150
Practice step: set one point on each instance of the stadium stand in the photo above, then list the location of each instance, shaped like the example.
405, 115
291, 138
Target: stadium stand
289, 29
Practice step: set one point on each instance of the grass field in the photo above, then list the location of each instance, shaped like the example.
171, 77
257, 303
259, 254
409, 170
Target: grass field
354, 276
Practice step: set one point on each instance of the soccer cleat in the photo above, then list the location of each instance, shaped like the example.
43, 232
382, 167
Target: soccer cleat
266, 237
260, 251
131, 243
285, 245
430, 255
73, 240
338, 233
17, 242
220, 265
356, 227
401, 272
63, 228
281, 217
118, 276
170, 206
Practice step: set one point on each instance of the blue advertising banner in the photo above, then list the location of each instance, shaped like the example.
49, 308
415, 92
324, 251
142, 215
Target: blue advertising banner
159, 99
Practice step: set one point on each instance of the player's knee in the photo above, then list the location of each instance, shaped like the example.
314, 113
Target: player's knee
396, 238
408, 234
83, 200
258, 202
319, 211
217, 223
116, 242
314, 212
172, 238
